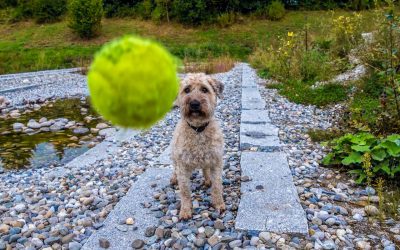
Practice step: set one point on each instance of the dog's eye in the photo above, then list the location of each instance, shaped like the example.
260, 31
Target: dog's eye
204, 90
187, 90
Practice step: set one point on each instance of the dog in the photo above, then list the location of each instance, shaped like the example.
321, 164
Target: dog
198, 141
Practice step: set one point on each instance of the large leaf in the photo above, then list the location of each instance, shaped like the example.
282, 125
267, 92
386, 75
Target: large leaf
378, 154
360, 148
396, 170
354, 157
392, 148
386, 169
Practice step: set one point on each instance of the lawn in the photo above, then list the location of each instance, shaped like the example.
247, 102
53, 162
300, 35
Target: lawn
26, 46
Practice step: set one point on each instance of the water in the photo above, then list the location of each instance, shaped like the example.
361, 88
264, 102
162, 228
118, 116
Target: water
20, 150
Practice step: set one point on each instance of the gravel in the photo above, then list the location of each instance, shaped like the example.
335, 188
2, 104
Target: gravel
41, 210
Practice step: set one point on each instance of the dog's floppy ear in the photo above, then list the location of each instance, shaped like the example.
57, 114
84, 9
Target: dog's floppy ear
217, 86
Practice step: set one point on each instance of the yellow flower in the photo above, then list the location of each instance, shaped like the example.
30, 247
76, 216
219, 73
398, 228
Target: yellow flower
288, 43
290, 34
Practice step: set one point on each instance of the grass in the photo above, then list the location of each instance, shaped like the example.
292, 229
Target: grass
26, 46
300, 92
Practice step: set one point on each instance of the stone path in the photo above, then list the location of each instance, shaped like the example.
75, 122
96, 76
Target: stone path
269, 201
119, 235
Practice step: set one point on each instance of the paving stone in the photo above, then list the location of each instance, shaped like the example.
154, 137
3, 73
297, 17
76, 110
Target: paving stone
165, 157
276, 207
255, 117
261, 141
266, 129
130, 206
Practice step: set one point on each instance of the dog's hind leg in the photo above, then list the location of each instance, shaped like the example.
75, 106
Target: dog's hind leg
184, 188
173, 181
216, 189
206, 174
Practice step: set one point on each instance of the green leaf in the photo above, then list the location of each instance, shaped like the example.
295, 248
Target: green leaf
392, 148
354, 157
378, 154
361, 178
396, 170
328, 159
360, 148
386, 169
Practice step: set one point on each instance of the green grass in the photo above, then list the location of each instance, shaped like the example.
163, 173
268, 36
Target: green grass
300, 92
26, 46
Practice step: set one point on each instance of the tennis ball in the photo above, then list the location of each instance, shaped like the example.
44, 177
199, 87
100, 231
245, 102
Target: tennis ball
133, 82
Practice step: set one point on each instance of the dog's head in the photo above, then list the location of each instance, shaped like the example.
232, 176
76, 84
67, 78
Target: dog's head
197, 98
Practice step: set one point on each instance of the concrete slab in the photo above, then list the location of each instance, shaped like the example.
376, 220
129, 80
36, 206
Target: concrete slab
258, 130
269, 201
131, 206
165, 157
262, 143
255, 117
253, 104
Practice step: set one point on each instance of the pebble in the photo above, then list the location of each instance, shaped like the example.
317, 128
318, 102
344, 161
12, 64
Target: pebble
371, 210
137, 244
104, 243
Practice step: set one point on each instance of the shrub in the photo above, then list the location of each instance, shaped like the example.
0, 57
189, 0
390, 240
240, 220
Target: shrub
85, 17
8, 3
45, 11
145, 9
162, 10
275, 10
23, 10
190, 12
226, 19
119, 8
347, 31
380, 155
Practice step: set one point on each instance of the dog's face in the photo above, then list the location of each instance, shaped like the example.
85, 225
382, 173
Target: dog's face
198, 98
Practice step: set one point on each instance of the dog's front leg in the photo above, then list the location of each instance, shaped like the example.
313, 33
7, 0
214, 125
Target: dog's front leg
183, 175
216, 188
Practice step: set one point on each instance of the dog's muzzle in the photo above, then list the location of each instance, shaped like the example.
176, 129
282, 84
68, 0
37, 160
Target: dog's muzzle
195, 106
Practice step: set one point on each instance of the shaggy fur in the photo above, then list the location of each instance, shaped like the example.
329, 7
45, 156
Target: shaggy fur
191, 149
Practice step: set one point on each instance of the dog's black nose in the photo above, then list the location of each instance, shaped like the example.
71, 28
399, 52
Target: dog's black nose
194, 105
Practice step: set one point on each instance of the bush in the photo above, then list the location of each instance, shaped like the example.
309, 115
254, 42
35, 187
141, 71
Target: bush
275, 10
23, 10
226, 19
366, 155
162, 10
85, 17
119, 8
45, 11
190, 12
8, 3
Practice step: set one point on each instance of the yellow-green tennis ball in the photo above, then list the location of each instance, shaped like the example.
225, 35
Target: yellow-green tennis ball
133, 82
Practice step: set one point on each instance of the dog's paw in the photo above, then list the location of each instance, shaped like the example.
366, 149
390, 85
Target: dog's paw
220, 206
173, 181
185, 214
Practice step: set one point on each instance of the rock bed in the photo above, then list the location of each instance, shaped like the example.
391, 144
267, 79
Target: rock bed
208, 227
334, 204
39, 209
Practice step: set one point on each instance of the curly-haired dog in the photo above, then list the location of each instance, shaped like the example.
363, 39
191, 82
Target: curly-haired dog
198, 140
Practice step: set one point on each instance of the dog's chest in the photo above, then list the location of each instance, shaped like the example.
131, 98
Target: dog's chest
199, 150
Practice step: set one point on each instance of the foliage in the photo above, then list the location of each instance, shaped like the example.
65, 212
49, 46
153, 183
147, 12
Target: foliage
347, 33
85, 17
23, 10
275, 10
226, 19
190, 12
289, 60
8, 3
119, 8
162, 10
45, 11
380, 155
300, 92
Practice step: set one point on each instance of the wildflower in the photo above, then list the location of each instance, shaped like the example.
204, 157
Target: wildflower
290, 34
